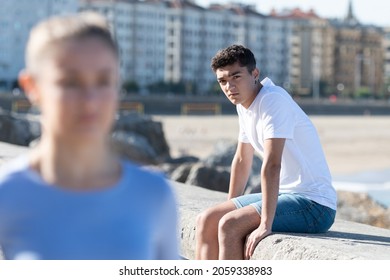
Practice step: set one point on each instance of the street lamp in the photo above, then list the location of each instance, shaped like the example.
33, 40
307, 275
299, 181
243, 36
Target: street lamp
359, 58
340, 87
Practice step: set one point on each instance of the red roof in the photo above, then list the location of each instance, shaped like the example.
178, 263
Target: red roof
295, 13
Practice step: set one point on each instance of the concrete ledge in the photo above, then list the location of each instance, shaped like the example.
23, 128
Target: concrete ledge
345, 240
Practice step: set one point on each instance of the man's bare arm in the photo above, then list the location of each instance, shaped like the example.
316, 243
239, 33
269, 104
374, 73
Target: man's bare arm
241, 167
270, 178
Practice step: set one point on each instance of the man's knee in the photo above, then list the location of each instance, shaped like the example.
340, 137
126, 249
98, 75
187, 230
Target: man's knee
227, 225
204, 219
208, 220
200, 220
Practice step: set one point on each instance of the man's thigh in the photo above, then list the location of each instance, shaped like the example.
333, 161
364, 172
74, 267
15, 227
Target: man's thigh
214, 213
296, 213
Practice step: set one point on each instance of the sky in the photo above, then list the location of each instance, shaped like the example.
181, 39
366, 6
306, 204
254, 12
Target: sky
375, 12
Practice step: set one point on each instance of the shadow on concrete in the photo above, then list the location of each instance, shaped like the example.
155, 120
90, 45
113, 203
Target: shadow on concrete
353, 237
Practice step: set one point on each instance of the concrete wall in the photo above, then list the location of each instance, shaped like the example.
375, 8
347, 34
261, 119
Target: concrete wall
345, 240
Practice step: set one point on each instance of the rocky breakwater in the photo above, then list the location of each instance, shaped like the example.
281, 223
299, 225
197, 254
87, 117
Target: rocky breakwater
141, 139
213, 173
136, 137
18, 129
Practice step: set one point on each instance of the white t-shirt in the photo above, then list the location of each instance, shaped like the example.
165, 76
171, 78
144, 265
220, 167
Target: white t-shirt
274, 114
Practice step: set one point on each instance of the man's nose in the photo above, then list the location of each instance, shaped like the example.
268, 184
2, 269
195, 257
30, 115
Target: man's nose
230, 85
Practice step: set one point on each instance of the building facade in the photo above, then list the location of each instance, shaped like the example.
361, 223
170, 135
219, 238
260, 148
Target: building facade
386, 66
173, 42
311, 51
359, 58
140, 30
16, 20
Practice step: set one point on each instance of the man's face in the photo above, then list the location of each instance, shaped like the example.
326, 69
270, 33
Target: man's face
238, 84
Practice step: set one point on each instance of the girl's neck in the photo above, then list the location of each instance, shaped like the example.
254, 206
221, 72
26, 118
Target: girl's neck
82, 167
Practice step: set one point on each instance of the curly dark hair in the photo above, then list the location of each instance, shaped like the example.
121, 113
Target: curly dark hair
233, 54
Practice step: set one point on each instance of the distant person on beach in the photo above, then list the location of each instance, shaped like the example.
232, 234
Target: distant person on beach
297, 193
71, 197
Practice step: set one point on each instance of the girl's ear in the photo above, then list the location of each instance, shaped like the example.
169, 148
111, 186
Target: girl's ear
29, 86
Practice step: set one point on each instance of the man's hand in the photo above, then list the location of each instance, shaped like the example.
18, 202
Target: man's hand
253, 239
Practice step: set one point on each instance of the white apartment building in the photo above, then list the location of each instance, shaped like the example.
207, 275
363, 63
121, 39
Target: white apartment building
277, 53
174, 41
149, 43
143, 34
268, 38
195, 65
119, 14
215, 38
139, 28
173, 44
16, 20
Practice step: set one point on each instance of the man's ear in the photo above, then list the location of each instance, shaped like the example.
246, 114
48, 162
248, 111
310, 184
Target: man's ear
256, 73
29, 85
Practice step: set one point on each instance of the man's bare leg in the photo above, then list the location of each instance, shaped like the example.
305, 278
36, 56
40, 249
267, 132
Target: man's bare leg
232, 231
207, 230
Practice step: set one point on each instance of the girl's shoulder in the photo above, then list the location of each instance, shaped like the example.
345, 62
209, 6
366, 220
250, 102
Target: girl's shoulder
149, 176
14, 168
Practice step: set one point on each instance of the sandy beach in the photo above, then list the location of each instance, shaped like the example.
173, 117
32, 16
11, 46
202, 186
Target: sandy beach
352, 144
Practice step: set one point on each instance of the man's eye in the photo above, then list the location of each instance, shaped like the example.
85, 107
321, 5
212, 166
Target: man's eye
222, 82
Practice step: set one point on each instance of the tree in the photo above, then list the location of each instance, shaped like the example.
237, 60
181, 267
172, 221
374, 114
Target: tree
363, 92
215, 89
168, 87
130, 86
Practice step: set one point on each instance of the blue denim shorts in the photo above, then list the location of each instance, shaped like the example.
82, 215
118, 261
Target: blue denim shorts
294, 213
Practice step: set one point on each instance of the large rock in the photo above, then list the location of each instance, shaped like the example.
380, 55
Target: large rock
213, 172
180, 174
134, 147
213, 178
223, 156
361, 208
151, 132
18, 129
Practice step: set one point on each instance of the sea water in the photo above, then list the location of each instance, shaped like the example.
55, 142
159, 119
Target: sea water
375, 183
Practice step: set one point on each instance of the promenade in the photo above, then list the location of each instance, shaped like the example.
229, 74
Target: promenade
352, 144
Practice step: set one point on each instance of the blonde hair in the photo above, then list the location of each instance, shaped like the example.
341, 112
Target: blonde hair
48, 34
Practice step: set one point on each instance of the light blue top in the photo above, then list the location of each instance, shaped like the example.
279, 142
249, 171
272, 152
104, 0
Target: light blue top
134, 219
